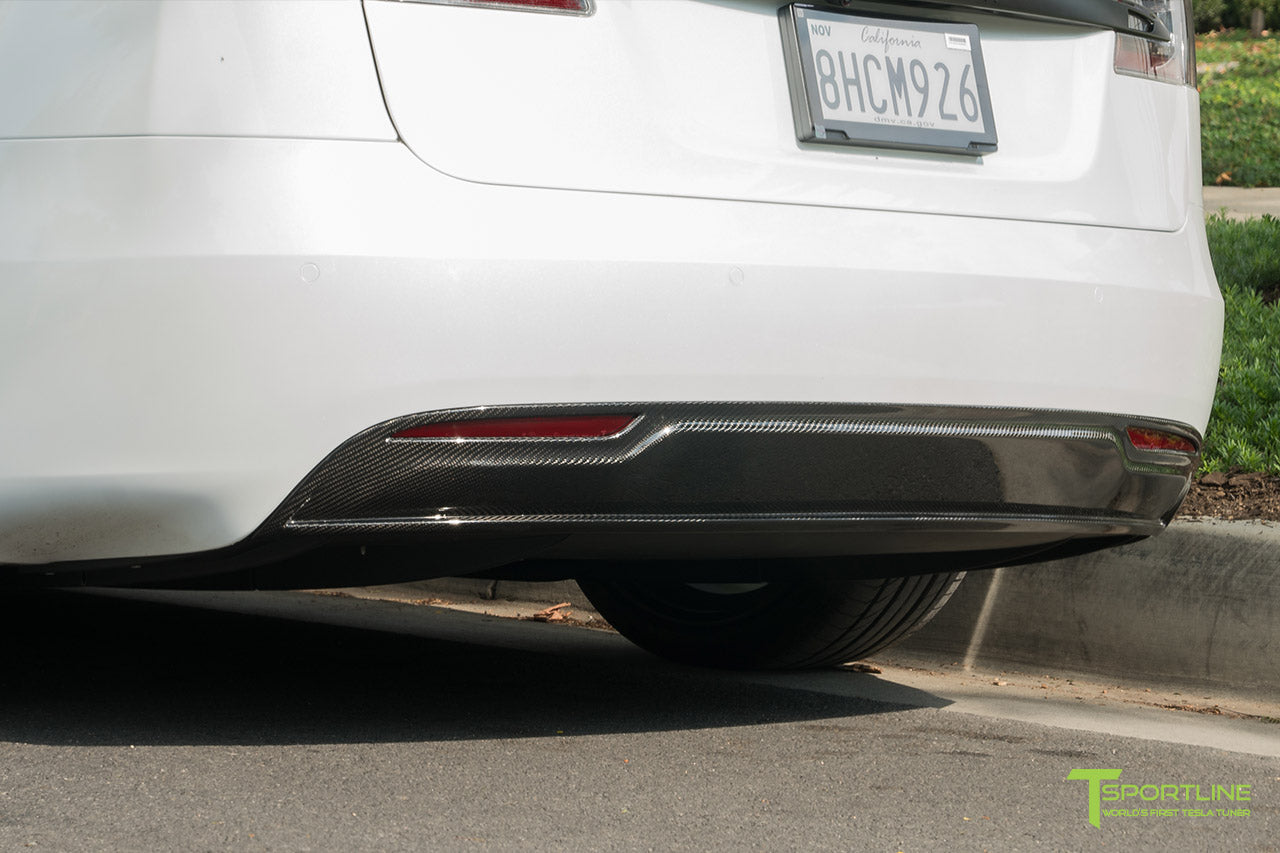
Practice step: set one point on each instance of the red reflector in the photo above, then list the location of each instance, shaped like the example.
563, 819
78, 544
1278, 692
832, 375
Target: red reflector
571, 426
1152, 439
559, 5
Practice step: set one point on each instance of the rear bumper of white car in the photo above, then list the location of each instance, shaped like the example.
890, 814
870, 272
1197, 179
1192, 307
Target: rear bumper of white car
189, 326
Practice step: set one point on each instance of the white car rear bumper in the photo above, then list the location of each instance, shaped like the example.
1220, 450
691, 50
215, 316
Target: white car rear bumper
188, 326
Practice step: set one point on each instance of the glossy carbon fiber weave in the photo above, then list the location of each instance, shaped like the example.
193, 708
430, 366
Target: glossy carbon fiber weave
756, 465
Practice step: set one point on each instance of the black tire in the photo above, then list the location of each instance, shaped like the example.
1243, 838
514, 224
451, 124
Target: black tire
804, 622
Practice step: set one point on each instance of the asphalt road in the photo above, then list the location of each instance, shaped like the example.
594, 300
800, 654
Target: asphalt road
136, 725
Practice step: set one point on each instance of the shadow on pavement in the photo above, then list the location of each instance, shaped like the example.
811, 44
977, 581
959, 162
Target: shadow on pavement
92, 670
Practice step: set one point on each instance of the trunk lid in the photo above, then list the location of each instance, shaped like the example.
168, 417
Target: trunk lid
691, 98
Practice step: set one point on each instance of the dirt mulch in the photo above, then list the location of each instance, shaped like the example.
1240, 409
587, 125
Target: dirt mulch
1234, 496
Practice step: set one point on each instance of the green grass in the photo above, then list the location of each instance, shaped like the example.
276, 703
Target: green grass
1239, 109
1244, 431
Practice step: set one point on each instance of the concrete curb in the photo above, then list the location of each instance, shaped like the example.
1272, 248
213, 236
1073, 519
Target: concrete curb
1199, 604
474, 590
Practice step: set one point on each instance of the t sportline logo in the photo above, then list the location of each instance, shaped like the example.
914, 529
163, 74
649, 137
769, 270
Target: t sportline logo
1159, 800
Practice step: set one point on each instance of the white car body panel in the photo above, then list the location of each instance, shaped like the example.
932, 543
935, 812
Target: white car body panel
192, 68
690, 99
188, 326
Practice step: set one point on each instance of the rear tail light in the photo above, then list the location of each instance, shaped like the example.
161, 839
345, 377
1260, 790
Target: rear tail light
569, 7
1154, 439
569, 426
1173, 61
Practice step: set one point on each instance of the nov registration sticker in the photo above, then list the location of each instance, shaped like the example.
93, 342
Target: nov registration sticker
886, 83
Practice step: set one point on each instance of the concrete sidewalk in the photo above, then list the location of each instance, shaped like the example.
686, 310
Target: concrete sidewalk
1196, 605
1242, 203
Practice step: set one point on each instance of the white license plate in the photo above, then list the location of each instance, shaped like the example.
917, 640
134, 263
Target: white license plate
891, 84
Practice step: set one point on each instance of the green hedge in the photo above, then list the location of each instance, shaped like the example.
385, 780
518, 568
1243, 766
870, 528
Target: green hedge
1245, 428
1215, 14
1240, 110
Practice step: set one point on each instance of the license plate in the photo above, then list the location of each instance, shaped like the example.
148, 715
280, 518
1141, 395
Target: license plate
887, 83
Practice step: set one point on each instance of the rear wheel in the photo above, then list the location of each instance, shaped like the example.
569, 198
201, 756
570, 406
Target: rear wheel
806, 621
